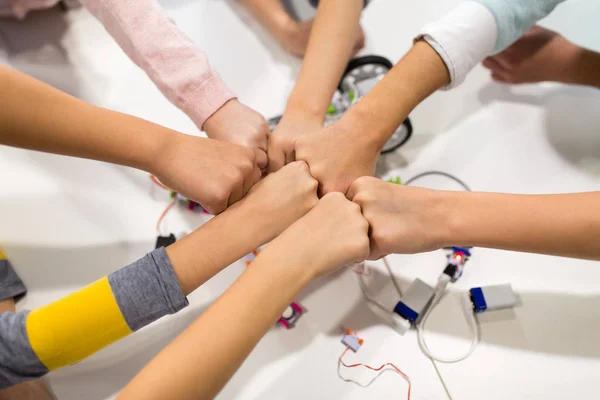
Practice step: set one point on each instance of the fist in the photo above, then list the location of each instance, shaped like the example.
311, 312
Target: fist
280, 199
283, 140
332, 234
213, 173
402, 219
241, 125
336, 158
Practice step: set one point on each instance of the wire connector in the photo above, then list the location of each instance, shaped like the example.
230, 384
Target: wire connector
352, 341
415, 301
493, 297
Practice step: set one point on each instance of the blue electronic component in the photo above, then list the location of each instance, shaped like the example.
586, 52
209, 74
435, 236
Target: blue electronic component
415, 301
493, 297
478, 300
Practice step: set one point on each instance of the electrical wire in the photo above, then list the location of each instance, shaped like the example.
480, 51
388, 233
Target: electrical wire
392, 277
437, 298
158, 183
440, 173
381, 369
439, 375
163, 215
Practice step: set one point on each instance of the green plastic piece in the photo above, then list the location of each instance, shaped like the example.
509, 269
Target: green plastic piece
351, 95
331, 109
395, 180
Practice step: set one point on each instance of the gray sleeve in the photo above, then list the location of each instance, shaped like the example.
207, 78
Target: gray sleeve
515, 17
147, 290
18, 362
10, 283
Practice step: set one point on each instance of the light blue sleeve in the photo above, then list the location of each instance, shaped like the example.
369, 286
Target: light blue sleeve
515, 17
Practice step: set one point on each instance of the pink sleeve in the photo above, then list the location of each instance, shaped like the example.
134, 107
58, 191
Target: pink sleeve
177, 67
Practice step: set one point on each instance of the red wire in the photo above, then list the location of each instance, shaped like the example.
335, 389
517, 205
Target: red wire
155, 180
376, 369
164, 213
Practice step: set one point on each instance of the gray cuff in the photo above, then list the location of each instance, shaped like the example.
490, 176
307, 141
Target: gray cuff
18, 362
10, 283
147, 290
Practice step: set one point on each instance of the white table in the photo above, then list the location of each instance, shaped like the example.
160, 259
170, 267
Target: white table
66, 222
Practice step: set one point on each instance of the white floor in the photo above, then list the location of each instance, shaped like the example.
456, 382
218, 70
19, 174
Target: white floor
66, 222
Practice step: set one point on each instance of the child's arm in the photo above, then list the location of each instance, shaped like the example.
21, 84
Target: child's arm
330, 46
36, 116
180, 70
447, 51
348, 149
411, 220
205, 356
70, 329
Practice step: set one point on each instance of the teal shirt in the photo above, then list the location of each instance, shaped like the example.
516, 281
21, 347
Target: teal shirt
515, 17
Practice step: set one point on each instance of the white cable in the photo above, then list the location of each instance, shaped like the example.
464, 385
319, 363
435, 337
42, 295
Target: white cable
439, 375
440, 291
392, 277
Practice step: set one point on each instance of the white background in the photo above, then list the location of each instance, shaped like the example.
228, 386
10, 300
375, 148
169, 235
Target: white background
66, 222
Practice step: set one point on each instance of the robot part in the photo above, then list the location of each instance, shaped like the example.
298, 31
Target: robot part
493, 297
352, 341
456, 262
361, 75
291, 315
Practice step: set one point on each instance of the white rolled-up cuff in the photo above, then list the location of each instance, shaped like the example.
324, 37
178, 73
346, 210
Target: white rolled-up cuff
462, 38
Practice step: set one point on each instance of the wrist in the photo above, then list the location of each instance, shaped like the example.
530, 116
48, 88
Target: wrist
290, 261
583, 67
154, 146
303, 112
366, 135
452, 211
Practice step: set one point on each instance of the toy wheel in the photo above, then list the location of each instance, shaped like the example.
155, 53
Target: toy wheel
273, 122
367, 65
398, 138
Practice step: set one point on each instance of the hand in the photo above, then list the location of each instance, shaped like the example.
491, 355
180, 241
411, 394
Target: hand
283, 140
239, 124
332, 234
403, 219
293, 37
336, 157
281, 198
213, 173
540, 55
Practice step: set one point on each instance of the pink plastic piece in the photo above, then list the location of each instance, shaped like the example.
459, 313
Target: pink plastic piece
297, 307
283, 322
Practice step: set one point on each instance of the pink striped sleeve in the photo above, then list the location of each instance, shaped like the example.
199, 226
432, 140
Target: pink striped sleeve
178, 68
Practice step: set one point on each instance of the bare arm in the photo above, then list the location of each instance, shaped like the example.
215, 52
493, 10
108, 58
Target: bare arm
38, 117
416, 76
205, 356
348, 149
411, 220
330, 46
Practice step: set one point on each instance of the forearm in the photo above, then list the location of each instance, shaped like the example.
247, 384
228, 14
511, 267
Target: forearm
226, 238
417, 75
564, 224
78, 325
36, 116
329, 48
172, 61
204, 357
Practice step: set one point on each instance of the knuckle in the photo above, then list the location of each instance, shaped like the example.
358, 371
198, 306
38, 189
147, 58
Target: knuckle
361, 182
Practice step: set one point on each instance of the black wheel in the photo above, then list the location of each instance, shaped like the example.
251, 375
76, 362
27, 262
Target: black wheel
365, 60
399, 137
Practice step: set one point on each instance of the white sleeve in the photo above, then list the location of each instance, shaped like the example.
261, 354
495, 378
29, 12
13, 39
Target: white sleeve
462, 38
